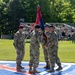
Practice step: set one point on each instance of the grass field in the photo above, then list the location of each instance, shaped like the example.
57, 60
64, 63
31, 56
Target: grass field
66, 51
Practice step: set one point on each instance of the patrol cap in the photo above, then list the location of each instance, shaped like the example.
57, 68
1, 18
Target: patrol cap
51, 26
37, 26
21, 26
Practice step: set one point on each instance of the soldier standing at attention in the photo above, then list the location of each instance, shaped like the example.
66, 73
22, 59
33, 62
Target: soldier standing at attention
53, 50
19, 43
34, 50
44, 44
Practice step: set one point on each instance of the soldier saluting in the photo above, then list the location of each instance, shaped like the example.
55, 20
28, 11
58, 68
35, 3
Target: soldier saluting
19, 43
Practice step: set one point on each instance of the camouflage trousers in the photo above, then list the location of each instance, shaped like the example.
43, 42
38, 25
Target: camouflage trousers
45, 51
53, 57
20, 56
34, 56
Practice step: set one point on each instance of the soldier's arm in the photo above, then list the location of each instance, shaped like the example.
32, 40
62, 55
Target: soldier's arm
15, 40
52, 40
31, 33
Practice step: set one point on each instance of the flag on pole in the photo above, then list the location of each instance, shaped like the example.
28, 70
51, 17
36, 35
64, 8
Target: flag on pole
37, 16
39, 19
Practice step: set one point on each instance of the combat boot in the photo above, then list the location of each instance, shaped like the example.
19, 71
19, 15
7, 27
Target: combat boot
51, 70
59, 68
19, 67
47, 66
30, 70
35, 71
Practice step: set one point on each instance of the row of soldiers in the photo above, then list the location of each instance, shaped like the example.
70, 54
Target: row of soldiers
49, 45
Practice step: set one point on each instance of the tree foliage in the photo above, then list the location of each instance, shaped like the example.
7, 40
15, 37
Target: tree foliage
11, 11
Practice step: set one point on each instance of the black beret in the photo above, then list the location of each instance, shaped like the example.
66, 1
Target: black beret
37, 26
51, 26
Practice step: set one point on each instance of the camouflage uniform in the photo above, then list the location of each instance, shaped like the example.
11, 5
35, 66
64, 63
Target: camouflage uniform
34, 49
19, 43
73, 37
44, 45
53, 50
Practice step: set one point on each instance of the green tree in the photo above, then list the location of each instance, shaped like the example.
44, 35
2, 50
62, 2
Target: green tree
3, 16
11, 11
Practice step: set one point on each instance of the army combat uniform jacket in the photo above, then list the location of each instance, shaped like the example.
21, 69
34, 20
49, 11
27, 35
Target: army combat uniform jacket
53, 49
19, 43
34, 49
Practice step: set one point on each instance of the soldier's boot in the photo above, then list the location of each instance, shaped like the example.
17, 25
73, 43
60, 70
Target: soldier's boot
47, 66
51, 70
19, 67
59, 68
30, 70
35, 71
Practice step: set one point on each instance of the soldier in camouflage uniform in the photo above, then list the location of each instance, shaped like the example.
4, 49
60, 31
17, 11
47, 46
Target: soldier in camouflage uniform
34, 50
44, 44
73, 37
19, 44
53, 50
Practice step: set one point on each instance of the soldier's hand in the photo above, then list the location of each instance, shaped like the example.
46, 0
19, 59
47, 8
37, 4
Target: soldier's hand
45, 47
